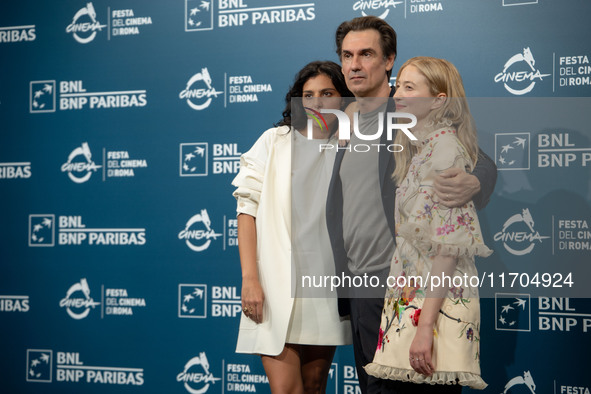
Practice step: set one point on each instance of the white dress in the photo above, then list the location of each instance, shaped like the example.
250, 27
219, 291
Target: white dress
314, 319
264, 186
425, 227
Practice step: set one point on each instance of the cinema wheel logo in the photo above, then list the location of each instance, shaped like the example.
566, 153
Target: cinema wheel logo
375, 6
518, 234
519, 76
199, 92
198, 233
196, 375
80, 166
78, 305
525, 380
84, 25
515, 239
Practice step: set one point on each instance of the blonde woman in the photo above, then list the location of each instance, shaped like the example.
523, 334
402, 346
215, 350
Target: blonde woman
429, 335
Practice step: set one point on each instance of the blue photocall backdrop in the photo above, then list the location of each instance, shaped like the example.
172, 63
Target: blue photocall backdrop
122, 123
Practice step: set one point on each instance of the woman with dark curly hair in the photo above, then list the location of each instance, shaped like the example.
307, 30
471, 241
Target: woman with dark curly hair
281, 196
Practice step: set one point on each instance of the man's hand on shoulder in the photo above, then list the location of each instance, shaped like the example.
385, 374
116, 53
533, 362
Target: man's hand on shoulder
455, 187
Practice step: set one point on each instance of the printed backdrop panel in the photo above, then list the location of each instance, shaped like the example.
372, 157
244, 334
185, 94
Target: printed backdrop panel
122, 125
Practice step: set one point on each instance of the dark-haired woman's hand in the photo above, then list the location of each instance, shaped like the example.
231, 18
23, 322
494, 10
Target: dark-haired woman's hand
252, 300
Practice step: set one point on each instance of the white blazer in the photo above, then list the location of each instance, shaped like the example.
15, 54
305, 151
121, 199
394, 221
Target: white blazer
270, 203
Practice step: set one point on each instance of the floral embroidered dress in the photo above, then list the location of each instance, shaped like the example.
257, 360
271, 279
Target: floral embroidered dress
423, 227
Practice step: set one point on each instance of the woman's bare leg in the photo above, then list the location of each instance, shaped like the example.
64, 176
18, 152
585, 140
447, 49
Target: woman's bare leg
316, 362
284, 371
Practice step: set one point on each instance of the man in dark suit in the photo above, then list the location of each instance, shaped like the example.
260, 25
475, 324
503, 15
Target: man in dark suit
361, 196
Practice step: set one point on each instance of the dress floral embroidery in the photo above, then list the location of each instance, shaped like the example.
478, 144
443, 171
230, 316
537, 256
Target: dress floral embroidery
425, 228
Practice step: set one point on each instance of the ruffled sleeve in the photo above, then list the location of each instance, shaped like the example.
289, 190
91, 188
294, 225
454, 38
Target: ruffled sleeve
430, 226
249, 181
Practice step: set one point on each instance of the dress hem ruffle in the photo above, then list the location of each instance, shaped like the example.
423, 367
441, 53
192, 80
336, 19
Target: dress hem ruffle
439, 377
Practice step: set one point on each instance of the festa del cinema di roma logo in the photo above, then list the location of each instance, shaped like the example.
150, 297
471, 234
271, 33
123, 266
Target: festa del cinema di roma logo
198, 232
79, 171
363, 5
525, 380
515, 82
196, 375
78, 307
84, 24
199, 91
512, 239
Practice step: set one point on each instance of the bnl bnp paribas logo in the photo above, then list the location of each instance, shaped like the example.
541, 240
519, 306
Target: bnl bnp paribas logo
17, 33
198, 15
512, 151
519, 75
512, 312
71, 369
85, 25
42, 230
193, 301
230, 13
199, 91
78, 302
71, 230
39, 365
198, 232
194, 159
518, 235
196, 375
42, 94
